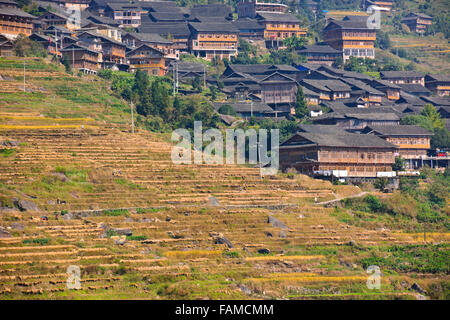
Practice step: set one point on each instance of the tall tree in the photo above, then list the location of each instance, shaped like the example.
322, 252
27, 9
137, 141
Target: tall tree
141, 83
144, 105
300, 104
160, 100
430, 112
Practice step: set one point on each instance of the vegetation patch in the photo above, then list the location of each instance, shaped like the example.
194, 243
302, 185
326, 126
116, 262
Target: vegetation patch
40, 241
116, 212
412, 258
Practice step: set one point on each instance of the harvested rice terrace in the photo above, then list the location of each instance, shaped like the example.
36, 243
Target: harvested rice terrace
197, 230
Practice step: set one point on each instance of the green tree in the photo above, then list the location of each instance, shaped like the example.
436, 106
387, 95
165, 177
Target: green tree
197, 84
381, 183
441, 139
399, 164
419, 120
66, 64
160, 99
227, 110
286, 56
300, 104
375, 205
294, 42
24, 47
430, 112
141, 83
213, 90
338, 63
144, 105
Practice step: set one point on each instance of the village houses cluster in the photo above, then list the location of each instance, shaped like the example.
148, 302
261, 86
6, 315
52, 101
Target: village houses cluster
358, 136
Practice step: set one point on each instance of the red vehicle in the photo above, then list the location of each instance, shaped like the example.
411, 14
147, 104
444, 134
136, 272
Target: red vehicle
441, 153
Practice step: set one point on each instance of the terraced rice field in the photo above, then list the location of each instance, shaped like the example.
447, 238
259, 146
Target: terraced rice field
118, 181
140, 227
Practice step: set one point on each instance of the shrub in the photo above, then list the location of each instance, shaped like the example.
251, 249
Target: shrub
413, 258
375, 204
381, 183
227, 110
115, 212
24, 47
136, 238
231, 254
41, 241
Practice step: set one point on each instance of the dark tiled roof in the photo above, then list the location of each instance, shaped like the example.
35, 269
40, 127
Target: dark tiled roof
211, 10
362, 86
275, 78
207, 19
10, 2
320, 128
400, 130
248, 24
414, 88
148, 37
189, 67
167, 16
102, 20
308, 66
341, 111
102, 37
227, 27
246, 106
437, 101
277, 17
438, 77
349, 22
421, 15
15, 12
118, 6
317, 49
308, 92
104, 3
445, 108
383, 84
327, 85
410, 99
180, 30
58, 28
346, 140
154, 52
78, 47
345, 74
400, 74
159, 6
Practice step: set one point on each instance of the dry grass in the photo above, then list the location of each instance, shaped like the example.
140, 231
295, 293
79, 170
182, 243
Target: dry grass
283, 258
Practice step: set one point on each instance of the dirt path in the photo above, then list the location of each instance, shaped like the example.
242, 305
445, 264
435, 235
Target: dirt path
342, 198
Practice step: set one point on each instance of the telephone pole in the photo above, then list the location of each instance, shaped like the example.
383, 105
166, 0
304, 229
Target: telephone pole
204, 76
173, 76
132, 118
177, 76
73, 60
258, 144
24, 89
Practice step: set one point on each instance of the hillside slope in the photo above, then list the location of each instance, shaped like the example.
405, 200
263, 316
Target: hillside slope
139, 226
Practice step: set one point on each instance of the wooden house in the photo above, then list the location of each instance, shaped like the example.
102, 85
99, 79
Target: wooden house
351, 36
338, 154
413, 142
147, 59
